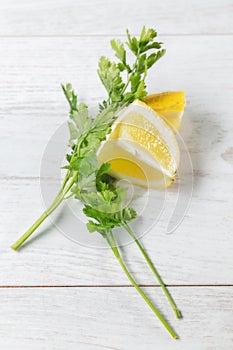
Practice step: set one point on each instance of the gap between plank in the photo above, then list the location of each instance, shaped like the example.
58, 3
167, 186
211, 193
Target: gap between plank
107, 35
118, 286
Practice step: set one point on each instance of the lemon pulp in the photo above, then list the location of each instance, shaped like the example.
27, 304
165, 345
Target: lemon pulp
169, 105
141, 148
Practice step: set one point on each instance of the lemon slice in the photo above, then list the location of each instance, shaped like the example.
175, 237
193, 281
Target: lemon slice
141, 148
169, 105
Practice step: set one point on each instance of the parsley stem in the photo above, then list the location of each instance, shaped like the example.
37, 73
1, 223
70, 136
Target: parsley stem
113, 246
57, 201
154, 270
129, 76
126, 85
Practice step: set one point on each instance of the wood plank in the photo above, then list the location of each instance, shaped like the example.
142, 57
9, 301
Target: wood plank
70, 17
198, 252
32, 105
113, 318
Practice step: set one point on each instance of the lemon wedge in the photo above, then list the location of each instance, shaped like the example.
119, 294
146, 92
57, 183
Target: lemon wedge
169, 105
141, 148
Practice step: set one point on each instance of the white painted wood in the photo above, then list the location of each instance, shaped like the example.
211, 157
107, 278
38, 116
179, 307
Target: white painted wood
45, 43
32, 105
113, 318
72, 17
198, 252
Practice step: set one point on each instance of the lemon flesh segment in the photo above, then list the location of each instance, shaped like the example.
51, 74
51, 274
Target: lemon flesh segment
125, 166
141, 148
169, 105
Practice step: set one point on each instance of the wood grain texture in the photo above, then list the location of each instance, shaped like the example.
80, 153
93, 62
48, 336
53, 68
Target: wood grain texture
45, 43
72, 17
193, 254
32, 105
113, 318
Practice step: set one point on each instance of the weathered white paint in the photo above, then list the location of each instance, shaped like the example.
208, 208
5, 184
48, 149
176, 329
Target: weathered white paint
113, 318
77, 17
32, 70
45, 43
194, 254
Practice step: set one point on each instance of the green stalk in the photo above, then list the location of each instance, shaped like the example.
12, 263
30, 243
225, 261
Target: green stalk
57, 201
112, 244
154, 270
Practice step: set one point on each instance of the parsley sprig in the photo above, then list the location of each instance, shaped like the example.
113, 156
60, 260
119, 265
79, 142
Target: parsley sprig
111, 73
87, 181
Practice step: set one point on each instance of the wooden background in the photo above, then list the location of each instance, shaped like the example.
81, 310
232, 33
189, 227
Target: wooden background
58, 295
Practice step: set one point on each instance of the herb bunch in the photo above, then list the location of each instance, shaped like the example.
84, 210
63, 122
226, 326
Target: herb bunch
87, 181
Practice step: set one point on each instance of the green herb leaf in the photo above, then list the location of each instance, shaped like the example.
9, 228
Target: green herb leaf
119, 49
110, 73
